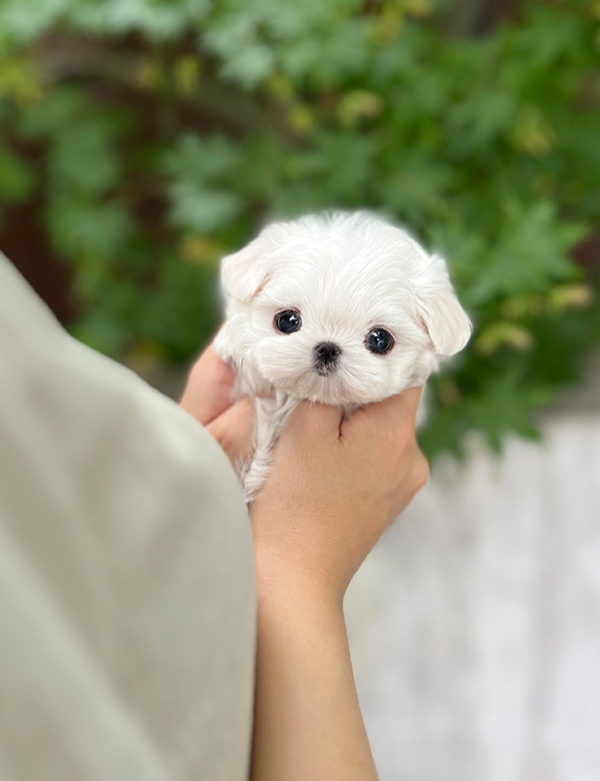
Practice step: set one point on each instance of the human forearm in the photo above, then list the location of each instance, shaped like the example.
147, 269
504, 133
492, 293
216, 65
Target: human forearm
308, 724
335, 484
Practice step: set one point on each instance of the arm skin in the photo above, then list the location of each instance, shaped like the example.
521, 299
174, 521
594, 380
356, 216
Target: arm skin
333, 488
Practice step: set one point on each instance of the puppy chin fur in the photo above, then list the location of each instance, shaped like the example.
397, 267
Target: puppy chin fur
345, 273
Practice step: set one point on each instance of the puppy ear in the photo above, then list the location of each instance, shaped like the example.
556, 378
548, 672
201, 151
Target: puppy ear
244, 272
443, 317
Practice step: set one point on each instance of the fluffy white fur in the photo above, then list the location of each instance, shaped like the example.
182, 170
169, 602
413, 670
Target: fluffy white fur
346, 273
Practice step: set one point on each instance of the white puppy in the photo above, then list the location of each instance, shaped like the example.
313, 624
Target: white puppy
340, 308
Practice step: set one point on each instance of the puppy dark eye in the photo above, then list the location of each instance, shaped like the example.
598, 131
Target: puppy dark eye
288, 321
379, 341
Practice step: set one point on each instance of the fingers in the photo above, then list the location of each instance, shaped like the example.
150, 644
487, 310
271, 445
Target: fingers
414, 478
393, 415
313, 419
208, 391
234, 428
400, 407
420, 471
410, 398
207, 397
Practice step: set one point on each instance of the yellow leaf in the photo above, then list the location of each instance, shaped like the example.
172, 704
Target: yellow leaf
523, 306
533, 133
386, 27
201, 249
570, 297
187, 75
359, 103
149, 75
281, 87
302, 119
146, 357
419, 8
503, 334
20, 81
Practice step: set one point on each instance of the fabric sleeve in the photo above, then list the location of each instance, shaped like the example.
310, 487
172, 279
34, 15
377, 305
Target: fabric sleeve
127, 596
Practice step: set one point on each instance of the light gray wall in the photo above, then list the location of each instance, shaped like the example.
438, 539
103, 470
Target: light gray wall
475, 623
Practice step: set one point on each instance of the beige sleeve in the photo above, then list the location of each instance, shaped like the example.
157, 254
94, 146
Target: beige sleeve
126, 571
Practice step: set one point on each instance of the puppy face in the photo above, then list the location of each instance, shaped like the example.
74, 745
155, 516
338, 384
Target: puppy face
340, 308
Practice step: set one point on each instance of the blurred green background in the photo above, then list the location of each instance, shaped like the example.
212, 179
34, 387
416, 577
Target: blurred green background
140, 140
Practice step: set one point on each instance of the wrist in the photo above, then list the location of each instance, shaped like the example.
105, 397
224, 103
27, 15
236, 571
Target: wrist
296, 588
307, 721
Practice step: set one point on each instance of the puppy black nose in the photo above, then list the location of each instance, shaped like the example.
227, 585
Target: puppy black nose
327, 352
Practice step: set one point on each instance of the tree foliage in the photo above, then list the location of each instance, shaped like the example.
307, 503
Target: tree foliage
159, 134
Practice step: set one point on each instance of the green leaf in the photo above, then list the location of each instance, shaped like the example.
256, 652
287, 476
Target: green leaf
504, 405
83, 158
149, 136
80, 228
201, 209
17, 178
200, 160
529, 253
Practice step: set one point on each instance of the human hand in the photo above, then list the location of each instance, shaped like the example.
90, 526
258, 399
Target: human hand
333, 488
208, 398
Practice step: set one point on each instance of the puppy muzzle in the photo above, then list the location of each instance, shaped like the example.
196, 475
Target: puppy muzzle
325, 357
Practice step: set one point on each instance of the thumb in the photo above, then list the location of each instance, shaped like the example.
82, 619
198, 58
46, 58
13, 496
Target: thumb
233, 429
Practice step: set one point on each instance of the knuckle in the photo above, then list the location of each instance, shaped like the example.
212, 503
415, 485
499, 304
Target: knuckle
246, 407
421, 470
221, 434
407, 441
